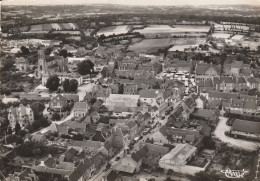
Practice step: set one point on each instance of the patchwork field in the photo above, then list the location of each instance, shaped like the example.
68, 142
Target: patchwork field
155, 44
221, 35
175, 29
223, 27
110, 30
48, 27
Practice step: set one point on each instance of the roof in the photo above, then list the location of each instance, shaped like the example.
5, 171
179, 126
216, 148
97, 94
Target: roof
223, 95
203, 68
209, 114
250, 104
87, 144
99, 137
246, 126
123, 97
75, 125
238, 103
71, 96
178, 111
126, 164
179, 154
80, 105
252, 80
38, 137
148, 93
85, 165
189, 102
131, 124
237, 64
112, 175
59, 97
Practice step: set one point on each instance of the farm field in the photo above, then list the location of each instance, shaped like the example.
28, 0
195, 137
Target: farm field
251, 44
48, 27
155, 44
67, 32
222, 27
110, 30
150, 44
157, 29
237, 37
221, 35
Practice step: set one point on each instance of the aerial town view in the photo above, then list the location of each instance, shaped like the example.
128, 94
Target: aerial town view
130, 90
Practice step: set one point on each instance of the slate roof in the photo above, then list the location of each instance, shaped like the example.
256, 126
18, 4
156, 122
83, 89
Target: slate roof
202, 68
148, 93
99, 137
75, 125
238, 103
178, 111
246, 126
189, 102
80, 105
86, 164
250, 105
223, 95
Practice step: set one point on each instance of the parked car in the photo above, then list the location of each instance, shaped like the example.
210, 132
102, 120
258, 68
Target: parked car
136, 139
146, 131
153, 125
117, 158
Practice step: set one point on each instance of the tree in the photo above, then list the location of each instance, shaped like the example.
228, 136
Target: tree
7, 64
48, 51
73, 85
37, 108
24, 50
85, 67
65, 53
120, 88
104, 72
66, 85
17, 128
53, 83
156, 85
55, 117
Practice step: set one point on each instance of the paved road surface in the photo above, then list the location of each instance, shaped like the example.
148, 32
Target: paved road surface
220, 134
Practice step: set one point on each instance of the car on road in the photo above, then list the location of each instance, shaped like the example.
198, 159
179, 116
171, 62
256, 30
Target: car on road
153, 125
146, 131
167, 112
136, 139
117, 158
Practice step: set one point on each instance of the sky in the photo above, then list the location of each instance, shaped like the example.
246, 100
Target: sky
132, 2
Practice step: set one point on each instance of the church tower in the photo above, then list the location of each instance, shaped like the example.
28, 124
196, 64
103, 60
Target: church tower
42, 67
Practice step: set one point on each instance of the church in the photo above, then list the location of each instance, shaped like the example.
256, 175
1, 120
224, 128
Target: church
54, 65
50, 65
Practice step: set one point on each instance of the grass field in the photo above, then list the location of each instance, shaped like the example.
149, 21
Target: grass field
110, 30
155, 44
157, 29
48, 27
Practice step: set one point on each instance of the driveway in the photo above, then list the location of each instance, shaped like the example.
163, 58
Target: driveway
220, 134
